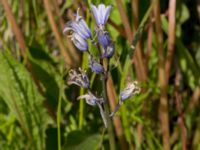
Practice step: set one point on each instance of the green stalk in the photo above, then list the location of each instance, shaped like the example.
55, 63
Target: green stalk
59, 111
81, 110
82, 103
58, 117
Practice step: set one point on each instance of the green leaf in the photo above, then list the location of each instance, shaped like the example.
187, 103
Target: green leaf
43, 68
78, 140
20, 93
182, 13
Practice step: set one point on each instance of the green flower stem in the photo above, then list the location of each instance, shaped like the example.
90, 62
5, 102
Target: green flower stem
82, 103
61, 88
59, 115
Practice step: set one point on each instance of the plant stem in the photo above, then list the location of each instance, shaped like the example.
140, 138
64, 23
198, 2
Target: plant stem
106, 108
163, 108
59, 113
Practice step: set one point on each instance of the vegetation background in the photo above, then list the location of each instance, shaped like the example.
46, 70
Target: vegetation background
157, 44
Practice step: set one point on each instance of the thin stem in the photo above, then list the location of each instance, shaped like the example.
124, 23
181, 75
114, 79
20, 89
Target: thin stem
171, 37
163, 108
81, 111
58, 119
59, 112
82, 104
19, 36
181, 118
124, 19
52, 22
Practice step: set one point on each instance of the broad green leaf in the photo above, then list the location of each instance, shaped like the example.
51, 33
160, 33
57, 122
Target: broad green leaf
21, 95
43, 69
78, 140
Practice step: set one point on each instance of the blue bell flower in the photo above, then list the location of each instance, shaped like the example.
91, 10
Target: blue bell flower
101, 13
79, 26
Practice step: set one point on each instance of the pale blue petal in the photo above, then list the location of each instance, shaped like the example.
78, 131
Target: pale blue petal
101, 9
84, 28
95, 13
104, 39
107, 13
79, 42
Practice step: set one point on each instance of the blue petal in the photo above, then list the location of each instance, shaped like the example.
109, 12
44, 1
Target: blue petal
84, 28
101, 9
103, 38
125, 95
79, 42
109, 51
95, 66
96, 14
107, 13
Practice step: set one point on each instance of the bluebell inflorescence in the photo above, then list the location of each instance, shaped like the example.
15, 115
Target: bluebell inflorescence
81, 35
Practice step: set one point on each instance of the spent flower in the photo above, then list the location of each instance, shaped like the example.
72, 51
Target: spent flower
78, 78
91, 99
130, 90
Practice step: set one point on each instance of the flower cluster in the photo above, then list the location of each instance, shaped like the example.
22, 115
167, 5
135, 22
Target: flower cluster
80, 35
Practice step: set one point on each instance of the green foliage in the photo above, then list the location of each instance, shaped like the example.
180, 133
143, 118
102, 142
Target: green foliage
38, 110
25, 103
78, 140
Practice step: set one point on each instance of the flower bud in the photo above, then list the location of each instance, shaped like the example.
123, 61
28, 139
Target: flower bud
95, 66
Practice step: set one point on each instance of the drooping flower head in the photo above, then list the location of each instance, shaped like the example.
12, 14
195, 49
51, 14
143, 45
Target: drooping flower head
78, 78
130, 90
79, 32
91, 99
79, 26
101, 13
